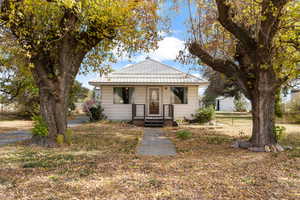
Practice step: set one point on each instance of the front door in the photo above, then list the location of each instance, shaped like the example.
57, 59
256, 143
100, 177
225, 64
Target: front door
154, 101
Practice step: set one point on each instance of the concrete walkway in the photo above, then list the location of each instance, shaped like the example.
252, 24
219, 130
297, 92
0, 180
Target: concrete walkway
16, 136
154, 143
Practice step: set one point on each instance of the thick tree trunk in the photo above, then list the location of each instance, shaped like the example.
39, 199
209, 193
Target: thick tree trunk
263, 109
263, 112
54, 89
54, 112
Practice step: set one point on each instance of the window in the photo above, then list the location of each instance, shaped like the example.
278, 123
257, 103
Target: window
179, 95
123, 95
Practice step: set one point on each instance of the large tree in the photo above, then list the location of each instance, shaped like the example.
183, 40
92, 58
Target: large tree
58, 35
255, 44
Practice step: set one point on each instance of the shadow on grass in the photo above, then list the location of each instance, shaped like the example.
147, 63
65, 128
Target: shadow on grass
107, 138
91, 143
204, 138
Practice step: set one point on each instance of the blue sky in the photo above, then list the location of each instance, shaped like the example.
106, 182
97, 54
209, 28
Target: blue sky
168, 48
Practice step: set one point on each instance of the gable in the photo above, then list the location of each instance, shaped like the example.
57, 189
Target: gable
148, 66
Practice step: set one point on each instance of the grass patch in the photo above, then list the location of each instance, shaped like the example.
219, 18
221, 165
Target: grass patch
49, 161
183, 134
218, 139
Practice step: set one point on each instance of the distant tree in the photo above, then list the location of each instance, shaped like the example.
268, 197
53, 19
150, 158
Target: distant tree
255, 44
78, 93
240, 103
219, 85
20, 89
60, 36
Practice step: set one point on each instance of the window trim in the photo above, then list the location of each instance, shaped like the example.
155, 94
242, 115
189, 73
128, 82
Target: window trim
172, 95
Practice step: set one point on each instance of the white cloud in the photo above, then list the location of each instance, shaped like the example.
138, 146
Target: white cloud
168, 49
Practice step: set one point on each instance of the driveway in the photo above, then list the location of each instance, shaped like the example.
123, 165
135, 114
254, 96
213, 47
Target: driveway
16, 136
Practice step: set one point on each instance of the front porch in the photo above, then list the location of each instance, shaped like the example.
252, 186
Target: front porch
142, 117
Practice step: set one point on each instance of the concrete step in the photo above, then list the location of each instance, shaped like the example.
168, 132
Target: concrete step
154, 123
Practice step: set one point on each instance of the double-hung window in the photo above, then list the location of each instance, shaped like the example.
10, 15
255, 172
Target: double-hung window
179, 95
123, 95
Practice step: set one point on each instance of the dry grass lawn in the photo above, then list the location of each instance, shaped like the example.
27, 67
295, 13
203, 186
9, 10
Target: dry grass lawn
101, 164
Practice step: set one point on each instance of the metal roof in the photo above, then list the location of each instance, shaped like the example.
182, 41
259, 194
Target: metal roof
148, 72
295, 90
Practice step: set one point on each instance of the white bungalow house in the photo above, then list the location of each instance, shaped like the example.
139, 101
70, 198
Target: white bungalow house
149, 93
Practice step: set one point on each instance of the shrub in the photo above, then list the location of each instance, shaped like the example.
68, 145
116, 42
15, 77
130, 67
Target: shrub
94, 110
204, 115
279, 132
183, 134
68, 136
60, 139
240, 104
40, 127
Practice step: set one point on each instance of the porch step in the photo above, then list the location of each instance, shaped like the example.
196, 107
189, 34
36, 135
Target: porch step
154, 123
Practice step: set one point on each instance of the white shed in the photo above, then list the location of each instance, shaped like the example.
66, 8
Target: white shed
226, 104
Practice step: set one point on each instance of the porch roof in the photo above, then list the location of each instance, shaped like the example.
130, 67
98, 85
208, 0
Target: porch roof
148, 72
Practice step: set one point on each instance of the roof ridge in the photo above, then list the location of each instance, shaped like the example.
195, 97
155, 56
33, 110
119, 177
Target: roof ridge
166, 65
176, 69
126, 67
129, 66
134, 64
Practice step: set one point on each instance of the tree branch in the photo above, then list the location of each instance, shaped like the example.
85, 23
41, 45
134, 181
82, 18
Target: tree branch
239, 32
227, 67
224, 66
271, 12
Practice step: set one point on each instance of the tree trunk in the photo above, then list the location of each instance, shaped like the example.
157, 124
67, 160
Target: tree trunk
263, 111
54, 112
54, 90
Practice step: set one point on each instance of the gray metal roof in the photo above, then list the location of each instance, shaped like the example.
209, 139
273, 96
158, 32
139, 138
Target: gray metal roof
295, 90
148, 72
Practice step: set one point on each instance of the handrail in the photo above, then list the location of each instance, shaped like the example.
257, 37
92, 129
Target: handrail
134, 108
170, 111
169, 114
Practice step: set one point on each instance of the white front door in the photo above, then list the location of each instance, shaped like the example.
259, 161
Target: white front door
154, 101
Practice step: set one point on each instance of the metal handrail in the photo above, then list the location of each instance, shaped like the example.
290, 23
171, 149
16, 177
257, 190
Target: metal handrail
170, 113
134, 106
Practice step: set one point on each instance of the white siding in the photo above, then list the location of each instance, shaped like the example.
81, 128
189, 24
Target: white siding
121, 111
124, 111
111, 110
140, 98
182, 111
